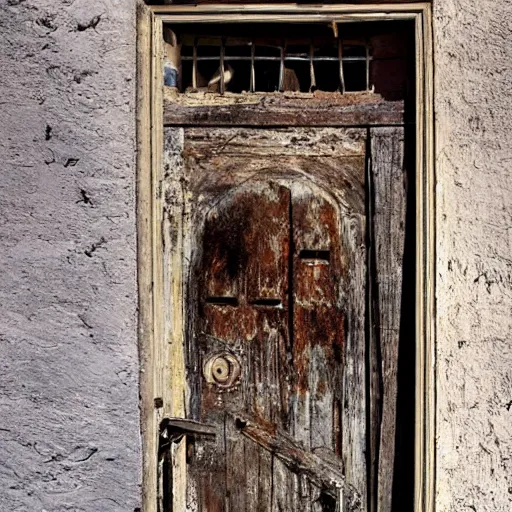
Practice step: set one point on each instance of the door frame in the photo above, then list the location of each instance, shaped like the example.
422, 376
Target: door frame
161, 316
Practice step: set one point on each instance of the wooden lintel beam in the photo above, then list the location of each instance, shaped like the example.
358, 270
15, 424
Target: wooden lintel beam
285, 113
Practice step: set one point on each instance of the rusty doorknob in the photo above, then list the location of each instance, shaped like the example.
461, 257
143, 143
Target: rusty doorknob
222, 369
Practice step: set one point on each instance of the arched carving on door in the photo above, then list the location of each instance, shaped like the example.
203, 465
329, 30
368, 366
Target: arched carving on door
271, 296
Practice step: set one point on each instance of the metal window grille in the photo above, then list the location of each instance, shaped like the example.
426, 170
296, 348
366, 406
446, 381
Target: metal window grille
310, 55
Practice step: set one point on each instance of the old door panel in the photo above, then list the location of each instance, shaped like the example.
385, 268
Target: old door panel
389, 185
276, 283
219, 159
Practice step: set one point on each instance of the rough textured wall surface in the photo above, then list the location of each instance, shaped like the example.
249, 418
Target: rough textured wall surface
69, 433
473, 56
69, 423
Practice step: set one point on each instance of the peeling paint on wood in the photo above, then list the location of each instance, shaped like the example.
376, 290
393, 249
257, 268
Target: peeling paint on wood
270, 270
274, 262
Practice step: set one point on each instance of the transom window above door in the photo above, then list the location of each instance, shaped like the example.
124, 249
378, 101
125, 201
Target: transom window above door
295, 58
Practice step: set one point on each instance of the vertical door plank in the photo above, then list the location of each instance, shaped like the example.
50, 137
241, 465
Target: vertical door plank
388, 185
264, 283
317, 326
284, 488
248, 317
168, 289
353, 413
317, 320
267, 239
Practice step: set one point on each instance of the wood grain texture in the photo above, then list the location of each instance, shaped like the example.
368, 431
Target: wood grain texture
145, 253
274, 243
388, 192
317, 319
169, 290
279, 8
353, 432
280, 110
249, 234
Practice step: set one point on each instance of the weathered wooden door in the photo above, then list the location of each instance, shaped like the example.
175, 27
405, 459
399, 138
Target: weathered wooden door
276, 301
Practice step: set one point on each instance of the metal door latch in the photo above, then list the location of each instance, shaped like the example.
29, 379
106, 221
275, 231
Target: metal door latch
172, 430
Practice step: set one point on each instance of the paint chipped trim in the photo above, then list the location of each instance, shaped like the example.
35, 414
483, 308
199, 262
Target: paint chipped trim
157, 377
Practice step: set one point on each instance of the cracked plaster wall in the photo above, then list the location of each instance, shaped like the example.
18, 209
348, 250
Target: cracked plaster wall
69, 433
473, 80
69, 419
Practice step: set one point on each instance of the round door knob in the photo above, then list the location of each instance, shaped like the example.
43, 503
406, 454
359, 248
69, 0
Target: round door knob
222, 370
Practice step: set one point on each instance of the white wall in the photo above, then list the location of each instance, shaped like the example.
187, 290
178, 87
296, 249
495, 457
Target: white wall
69, 423
473, 80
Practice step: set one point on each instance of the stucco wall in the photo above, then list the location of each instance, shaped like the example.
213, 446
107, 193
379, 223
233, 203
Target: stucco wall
69, 423
69, 433
473, 79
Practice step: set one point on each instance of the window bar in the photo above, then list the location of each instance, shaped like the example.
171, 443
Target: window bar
221, 67
340, 59
291, 57
253, 71
334, 27
312, 86
281, 67
367, 46
194, 65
